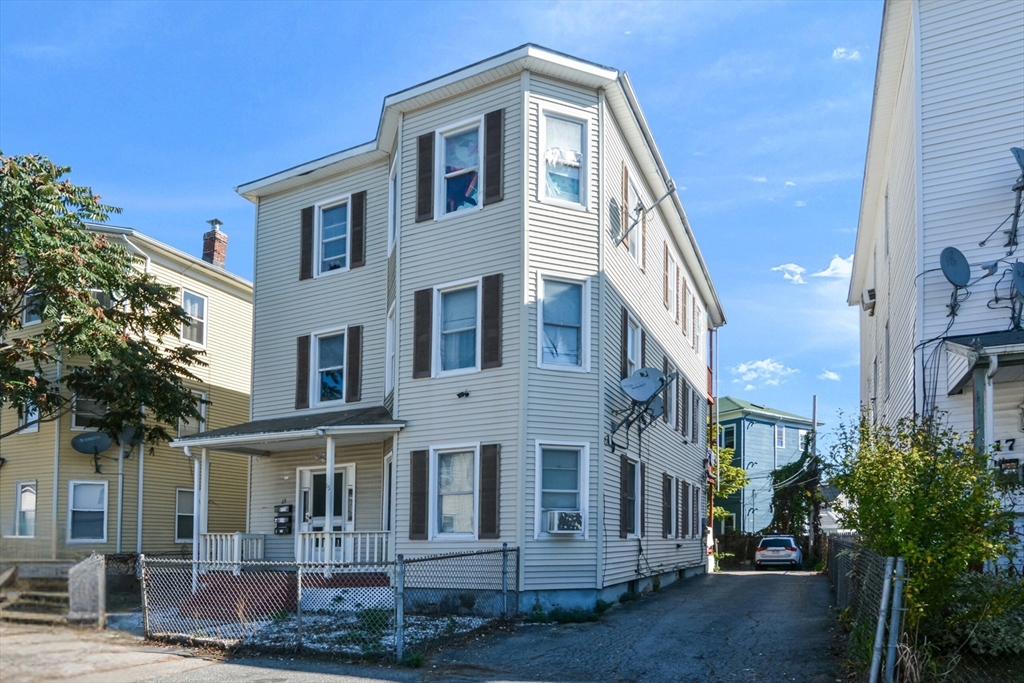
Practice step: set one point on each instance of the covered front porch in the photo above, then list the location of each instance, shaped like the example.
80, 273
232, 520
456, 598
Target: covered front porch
320, 489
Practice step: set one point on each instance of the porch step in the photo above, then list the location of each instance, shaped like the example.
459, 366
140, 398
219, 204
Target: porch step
6, 614
47, 597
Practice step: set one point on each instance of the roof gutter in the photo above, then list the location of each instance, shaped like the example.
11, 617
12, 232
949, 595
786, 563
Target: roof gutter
214, 442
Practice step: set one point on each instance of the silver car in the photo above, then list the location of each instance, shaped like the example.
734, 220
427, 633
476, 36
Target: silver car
778, 550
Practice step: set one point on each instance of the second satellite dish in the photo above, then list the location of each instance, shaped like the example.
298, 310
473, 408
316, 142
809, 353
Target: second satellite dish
955, 267
643, 384
1018, 278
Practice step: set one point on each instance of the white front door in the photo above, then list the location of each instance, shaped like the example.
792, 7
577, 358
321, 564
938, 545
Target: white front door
311, 508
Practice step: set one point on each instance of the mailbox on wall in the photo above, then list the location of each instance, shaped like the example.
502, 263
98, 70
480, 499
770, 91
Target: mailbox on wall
282, 520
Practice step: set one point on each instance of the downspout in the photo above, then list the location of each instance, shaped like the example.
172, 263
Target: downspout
602, 407
138, 521
990, 401
120, 495
142, 456
56, 466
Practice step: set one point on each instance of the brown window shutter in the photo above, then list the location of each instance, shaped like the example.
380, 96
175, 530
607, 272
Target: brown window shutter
679, 508
668, 388
695, 414
494, 144
490, 458
665, 286
685, 512
306, 245
643, 499
625, 203
423, 320
666, 505
354, 364
685, 299
302, 372
490, 338
677, 293
418, 486
359, 229
643, 348
624, 358
623, 502
425, 177
684, 404
695, 512
679, 402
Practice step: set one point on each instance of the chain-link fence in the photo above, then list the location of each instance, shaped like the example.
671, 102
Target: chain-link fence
372, 611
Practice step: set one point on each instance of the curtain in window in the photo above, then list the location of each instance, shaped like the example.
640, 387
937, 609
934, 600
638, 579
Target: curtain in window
563, 158
560, 479
461, 169
87, 511
458, 329
563, 322
27, 510
331, 363
455, 492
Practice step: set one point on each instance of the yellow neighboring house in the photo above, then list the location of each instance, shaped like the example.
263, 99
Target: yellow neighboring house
56, 504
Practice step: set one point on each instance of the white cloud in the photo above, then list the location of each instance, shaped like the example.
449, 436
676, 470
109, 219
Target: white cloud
839, 267
829, 375
759, 179
842, 54
790, 183
749, 387
793, 272
770, 372
800, 202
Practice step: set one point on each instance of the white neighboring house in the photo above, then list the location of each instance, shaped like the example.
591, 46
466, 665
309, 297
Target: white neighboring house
948, 108
442, 319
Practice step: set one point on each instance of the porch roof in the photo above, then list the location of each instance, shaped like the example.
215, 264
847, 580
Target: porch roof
297, 432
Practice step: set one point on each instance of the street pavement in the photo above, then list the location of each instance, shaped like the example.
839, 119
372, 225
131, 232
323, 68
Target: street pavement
730, 627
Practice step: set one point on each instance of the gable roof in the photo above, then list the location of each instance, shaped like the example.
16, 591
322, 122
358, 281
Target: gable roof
621, 101
731, 408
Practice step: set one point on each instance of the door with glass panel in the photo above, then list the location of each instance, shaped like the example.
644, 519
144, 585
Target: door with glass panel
312, 512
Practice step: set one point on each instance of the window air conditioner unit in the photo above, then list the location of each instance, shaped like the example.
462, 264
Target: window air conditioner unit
867, 301
565, 522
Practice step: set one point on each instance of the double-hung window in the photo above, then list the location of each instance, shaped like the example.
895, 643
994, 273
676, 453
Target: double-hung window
458, 341
190, 427
801, 436
632, 348
634, 212
671, 282
184, 515
330, 367
671, 407
25, 509
459, 175
780, 436
194, 331
729, 436
632, 499
333, 221
87, 511
28, 419
86, 413
455, 491
561, 485
564, 315
393, 204
30, 314
563, 159
390, 368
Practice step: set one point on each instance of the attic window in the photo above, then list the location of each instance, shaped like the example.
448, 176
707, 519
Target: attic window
562, 159
460, 188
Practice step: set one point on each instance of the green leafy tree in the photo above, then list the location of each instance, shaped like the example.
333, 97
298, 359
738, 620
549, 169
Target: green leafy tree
921, 491
794, 491
730, 477
103, 318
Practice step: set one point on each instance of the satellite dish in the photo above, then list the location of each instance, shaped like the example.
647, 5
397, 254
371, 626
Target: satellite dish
643, 384
656, 407
92, 443
955, 267
131, 436
1018, 278
1018, 154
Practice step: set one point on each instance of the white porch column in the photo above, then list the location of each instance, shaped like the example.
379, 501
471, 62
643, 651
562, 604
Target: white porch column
329, 496
196, 471
205, 505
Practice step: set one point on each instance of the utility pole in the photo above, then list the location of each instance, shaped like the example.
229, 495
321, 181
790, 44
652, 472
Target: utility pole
815, 482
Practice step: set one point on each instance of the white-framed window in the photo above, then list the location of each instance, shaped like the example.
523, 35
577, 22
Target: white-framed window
25, 509
632, 347
562, 157
563, 335
686, 396
30, 315
455, 491
394, 202
28, 419
87, 511
729, 437
194, 331
636, 235
672, 509
780, 436
457, 325
633, 498
561, 482
390, 355
329, 366
333, 225
86, 413
184, 515
801, 435
671, 402
459, 168
188, 428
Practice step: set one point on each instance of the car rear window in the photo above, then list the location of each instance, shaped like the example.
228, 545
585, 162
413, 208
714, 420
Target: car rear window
774, 543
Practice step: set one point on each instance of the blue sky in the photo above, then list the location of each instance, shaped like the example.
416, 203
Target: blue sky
761, 111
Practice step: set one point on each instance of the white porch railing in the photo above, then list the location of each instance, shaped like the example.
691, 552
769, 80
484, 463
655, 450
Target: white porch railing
236, 547
356, 547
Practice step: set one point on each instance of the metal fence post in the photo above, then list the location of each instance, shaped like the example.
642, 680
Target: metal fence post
145, 596
298, 611
876, 650
504, 580
399, 606
894, 622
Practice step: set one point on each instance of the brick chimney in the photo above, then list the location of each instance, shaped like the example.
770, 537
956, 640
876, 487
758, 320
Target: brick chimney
215, 244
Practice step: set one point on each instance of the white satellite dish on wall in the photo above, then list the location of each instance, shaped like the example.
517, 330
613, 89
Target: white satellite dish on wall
643, 384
